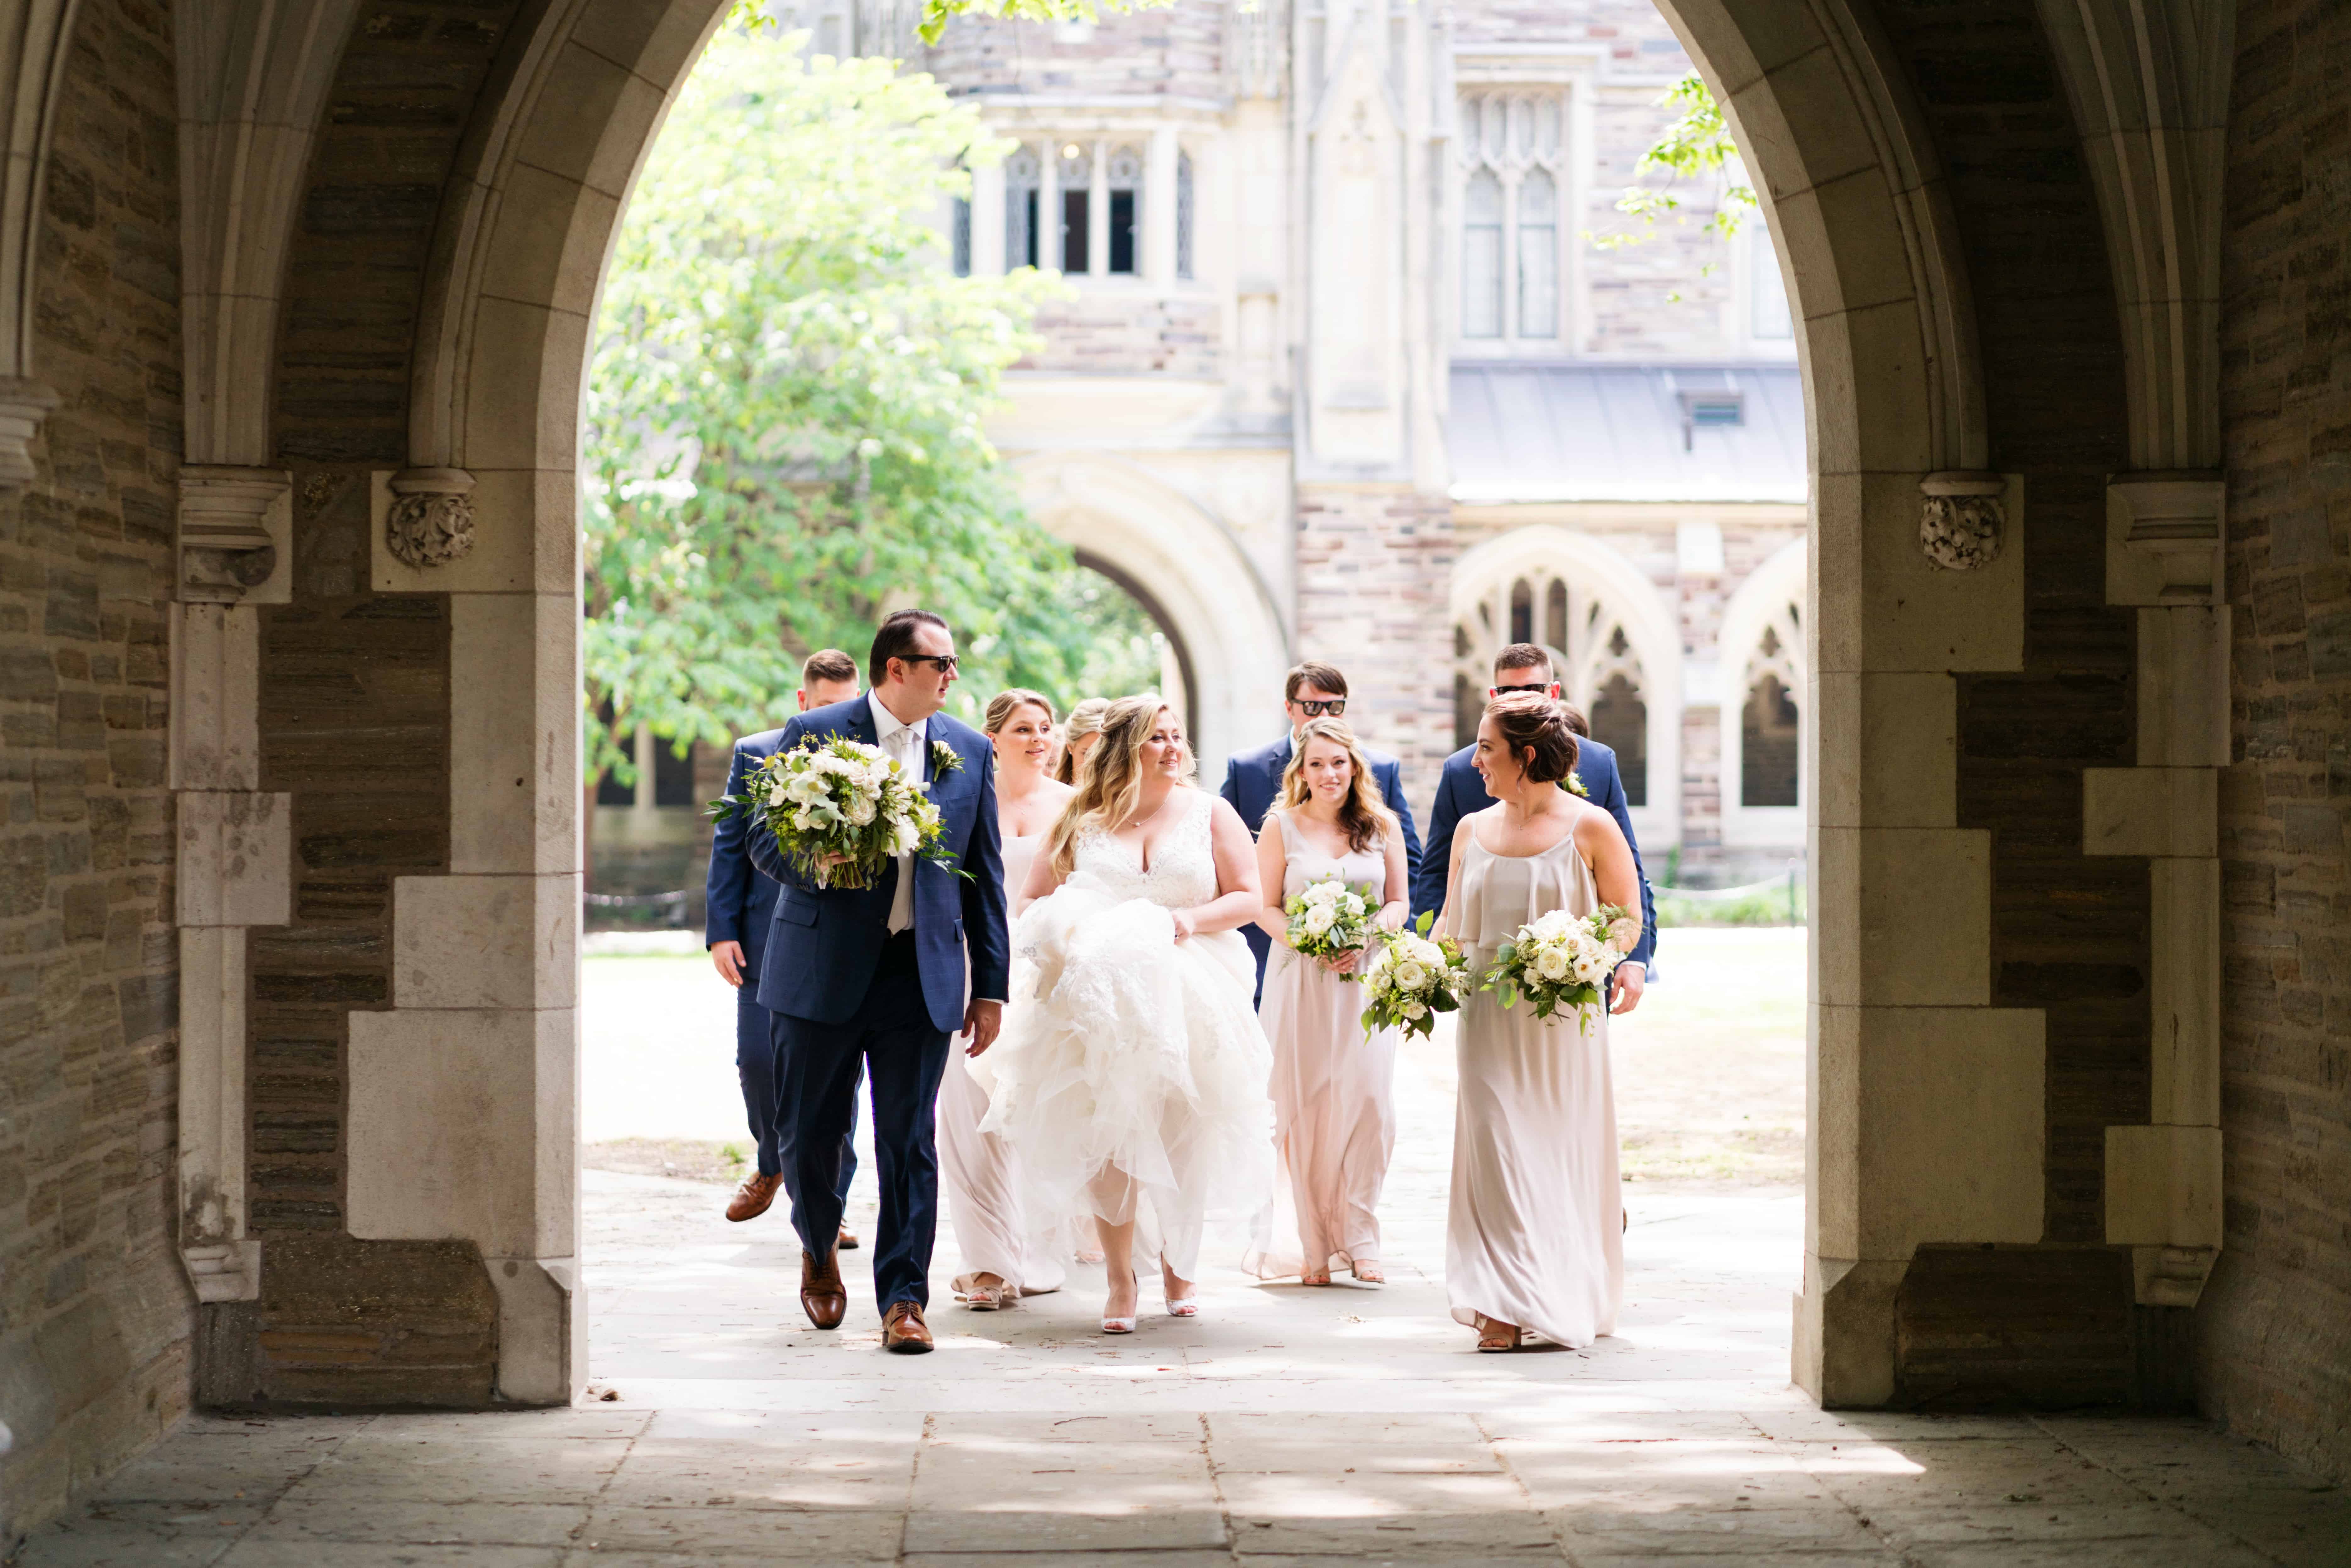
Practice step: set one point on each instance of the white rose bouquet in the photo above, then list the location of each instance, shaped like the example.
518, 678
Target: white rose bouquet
1327, 919
841, 810
1412, 977
1559, 961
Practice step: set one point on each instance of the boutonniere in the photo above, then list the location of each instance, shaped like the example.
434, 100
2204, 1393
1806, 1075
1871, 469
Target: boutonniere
1575, 782
945, 759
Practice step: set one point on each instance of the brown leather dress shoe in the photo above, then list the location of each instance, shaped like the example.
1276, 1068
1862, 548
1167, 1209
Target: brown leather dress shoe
752, 1198
848, 1242
903, 1331
823, 1295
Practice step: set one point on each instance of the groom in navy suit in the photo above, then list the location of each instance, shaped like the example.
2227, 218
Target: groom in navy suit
1522, 666
874, 977
1253, 778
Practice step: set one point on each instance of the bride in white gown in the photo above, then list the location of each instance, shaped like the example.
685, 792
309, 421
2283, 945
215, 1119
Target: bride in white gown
1131, 1072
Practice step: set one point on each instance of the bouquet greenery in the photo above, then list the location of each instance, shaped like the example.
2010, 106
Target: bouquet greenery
1329, 918
1412, 977
1559, 961
841, 810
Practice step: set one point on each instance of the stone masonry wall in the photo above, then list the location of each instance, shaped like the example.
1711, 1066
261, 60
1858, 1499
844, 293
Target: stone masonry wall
354, 726
2053, 1323
1128, 334
96, 1317
2275, 1322
1177, 52
1372, 565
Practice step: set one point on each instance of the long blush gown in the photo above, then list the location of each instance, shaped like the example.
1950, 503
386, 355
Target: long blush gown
1334, 1109
981, 1172
1534, 1233
1126, 1052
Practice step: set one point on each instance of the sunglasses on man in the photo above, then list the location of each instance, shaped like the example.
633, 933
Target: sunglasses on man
1543, 686
945, 661
1333, 708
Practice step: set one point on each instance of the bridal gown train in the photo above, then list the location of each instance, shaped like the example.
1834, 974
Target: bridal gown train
1128, 1049
1534, 1231
994, 1229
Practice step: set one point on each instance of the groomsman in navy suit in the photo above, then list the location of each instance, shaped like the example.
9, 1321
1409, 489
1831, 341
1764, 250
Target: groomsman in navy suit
875, 979
739, 904
1253, 778
1522, 666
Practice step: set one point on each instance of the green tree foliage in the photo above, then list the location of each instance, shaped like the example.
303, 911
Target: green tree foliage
1696, 146
784, 415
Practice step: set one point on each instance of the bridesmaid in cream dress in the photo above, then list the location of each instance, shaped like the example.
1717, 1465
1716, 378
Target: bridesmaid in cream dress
1335, 1116
1007, 1254
1534, 1233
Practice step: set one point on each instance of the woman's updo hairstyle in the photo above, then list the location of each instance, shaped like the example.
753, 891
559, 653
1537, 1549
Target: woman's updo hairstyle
1005, 704
1530, 720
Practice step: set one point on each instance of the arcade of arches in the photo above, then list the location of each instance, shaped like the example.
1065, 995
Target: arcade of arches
294, 302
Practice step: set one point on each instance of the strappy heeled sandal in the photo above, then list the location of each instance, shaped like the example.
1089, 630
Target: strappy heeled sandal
1120, 1325
1314, 1276
1368, 1273
1497, 1337
982, 1297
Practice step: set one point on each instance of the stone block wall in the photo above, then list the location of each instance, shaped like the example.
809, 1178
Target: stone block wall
96, 1317
2275, 1321
1374, 562
354, 726
2052, 1324
1129, 334
1175, 52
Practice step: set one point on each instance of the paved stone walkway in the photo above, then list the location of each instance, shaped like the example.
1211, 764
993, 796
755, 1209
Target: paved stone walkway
1286, 1425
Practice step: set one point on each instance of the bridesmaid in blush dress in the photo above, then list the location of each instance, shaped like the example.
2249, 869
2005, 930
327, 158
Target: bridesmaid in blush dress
1006, 1253
1335, 1116
1534, 1231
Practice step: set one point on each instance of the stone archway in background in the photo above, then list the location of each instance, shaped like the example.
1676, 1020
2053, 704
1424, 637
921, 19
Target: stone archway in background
1927, 1113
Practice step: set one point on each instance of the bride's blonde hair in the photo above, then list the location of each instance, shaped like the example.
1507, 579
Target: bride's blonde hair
1110, 783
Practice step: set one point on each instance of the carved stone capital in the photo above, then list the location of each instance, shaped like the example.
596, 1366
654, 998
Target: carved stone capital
235, 531
23, 404
431, 522
1963, 520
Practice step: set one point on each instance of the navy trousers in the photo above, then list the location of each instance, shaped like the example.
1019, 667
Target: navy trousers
754, 1064
903, 1054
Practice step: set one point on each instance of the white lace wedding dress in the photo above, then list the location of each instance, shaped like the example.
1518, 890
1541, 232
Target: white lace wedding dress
1126, 1048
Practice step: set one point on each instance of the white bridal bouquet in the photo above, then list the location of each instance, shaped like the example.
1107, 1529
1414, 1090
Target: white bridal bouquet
841, 810
1412, 977
1328, 918
1559, 961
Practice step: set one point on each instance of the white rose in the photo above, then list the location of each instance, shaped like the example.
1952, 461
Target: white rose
861, 809
776, 796
1415, 1011
1553, 964
1324, 893
1318, 919
1352, 905
905, 836
1411, 977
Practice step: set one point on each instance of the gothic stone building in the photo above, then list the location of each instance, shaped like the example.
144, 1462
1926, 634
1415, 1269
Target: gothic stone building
295, 302
1350, 369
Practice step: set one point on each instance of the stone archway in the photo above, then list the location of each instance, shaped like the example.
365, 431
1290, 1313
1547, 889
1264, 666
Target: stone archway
1189, 571
1903, 1028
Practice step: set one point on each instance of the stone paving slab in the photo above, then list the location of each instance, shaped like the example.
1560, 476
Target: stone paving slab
1288, 1427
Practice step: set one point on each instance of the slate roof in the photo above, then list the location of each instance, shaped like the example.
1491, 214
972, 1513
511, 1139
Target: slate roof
1532, 432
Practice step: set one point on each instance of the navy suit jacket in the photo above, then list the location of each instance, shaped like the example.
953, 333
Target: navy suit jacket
1252, 784
738, 902
827, 941
1460, 791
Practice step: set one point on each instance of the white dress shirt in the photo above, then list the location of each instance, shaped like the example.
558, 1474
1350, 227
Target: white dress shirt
903, 742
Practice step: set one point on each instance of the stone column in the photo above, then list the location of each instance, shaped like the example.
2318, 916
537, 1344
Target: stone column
2163, 1180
